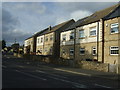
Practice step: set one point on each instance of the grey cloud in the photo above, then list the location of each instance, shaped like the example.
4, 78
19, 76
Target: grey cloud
8, 22
19, 35
9, 32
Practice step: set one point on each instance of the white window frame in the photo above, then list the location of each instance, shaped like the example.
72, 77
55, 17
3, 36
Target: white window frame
51, 37
81, 50
93, 29
64, 37
94, 48
114, 49
82, 33
46, 38
41, 39
71, 34
38, 40
71, 50
112, 26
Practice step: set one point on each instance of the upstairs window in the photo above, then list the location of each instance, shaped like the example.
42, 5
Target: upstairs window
41, 40
64, 37
38, 41
71, 36
81, 34
82, 51
114, 50
93, 31
46, 38
51, 37
71, 51
114, 28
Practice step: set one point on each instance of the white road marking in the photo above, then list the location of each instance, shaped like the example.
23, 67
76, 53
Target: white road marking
27, 63
4, 66
101, 86
8, 57
51, 74
31, 75
21, 66
73, 83
72, 72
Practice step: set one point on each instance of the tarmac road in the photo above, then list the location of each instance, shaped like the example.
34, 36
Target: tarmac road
20, 73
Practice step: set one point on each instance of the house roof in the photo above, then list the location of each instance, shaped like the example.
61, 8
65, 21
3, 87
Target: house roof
55, 28
75, 24
48, 30
38, 33
94, 17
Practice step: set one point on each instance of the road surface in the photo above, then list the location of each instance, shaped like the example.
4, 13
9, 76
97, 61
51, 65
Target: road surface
20, 73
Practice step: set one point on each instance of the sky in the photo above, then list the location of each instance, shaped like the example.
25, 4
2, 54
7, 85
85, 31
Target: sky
21, 20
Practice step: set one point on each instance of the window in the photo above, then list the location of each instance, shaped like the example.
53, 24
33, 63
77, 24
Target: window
64, 37
50, 50
114, 50
41, 40
71, 36
46, 38
94, 50
81, 34
114, 28
63, 51
51, 37
45, 50
82, 51
71, 51
38, 40
93, 31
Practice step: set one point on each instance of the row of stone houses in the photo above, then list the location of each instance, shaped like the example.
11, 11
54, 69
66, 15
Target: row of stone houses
93, 38
46, 41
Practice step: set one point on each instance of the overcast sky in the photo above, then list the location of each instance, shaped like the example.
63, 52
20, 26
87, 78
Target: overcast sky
22, 19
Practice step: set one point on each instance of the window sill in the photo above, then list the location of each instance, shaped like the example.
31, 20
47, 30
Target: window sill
114, 33
82, 54
82, 38
114, 54
93, 36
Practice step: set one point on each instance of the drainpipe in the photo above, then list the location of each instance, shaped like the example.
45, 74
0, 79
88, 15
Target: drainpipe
43, 45
97, 40
102, 40
74, 44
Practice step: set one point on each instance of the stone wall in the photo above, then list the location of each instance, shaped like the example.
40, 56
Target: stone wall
94, 66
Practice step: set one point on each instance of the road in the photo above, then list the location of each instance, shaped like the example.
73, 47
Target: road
20, 73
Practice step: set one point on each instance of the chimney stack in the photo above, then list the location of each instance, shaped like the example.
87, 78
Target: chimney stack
49, 27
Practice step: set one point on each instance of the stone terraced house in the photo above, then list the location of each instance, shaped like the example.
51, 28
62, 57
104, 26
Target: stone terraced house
94, 38
48, 43
30, 43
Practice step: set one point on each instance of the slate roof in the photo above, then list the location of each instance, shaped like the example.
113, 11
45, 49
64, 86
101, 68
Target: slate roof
54, 28
39, 33
94, 17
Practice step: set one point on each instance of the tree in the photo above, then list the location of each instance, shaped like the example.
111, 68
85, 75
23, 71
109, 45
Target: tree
3, 44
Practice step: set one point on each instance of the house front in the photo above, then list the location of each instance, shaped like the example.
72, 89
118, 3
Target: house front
51, 44
28, 45
92, 37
